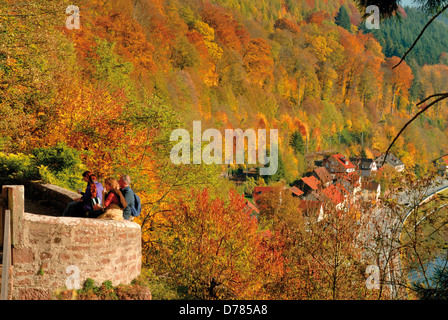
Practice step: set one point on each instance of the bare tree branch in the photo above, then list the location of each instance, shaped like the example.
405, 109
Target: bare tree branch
442, 97
419, 36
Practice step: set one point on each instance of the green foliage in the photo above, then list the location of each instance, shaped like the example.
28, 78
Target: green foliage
185, 54
89, 284
59, 165
248, 186
109, 67
342, 19
396, 36
158, 285
57, 158
17, 167
437, 290
105, 291
280, 175
297, 143
302, 164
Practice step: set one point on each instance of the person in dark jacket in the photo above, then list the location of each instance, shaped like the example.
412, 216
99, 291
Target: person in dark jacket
125, 182
81, 206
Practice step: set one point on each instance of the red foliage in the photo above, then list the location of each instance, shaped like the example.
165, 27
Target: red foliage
197, 40
318, 17
228, 31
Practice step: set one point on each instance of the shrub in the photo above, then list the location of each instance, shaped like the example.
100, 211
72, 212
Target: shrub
57, 158
106, 291
59, 165
17, 167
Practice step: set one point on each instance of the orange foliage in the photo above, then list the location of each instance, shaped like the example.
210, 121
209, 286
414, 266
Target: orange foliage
285, 24
229, 32
318, 17
258, 61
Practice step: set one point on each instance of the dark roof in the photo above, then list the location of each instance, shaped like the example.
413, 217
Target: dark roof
365, 164
371, 185
391, 159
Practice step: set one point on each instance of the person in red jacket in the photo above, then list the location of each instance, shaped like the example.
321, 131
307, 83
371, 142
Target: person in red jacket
114, 201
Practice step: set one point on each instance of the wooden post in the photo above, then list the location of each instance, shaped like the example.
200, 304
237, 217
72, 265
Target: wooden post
6, 262
3, 207
15, 196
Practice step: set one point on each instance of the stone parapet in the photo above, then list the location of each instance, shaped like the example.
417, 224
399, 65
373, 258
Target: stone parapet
51, 252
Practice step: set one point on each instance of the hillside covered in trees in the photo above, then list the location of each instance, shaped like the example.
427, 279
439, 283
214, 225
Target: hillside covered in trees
239, 64
115, 89
397, 35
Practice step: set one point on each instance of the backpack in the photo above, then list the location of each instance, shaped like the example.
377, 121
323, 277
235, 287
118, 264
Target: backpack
136, 209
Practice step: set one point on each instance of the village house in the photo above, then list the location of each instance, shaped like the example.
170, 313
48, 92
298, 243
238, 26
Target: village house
296, 192
371, 191
252, 209
347, 185
344, 191
391, 160
335, 196
312, 209
442, 164
308, 184
337, 183
365, 166
315, 196
352, 182
323, 176
337, 163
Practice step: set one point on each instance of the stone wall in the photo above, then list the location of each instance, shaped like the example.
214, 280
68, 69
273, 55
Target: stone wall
49, 194
46, 246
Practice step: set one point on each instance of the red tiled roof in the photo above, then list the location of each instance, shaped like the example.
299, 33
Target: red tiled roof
252, 207
341, 187
260, 190
310, 204
342, 159
445, 159
333, 194
296, 191
311, 181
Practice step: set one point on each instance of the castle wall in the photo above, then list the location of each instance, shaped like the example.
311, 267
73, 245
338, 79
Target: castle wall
51, 252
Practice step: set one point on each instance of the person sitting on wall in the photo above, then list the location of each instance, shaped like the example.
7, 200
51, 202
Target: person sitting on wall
125, 182
114, 202
93, 194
